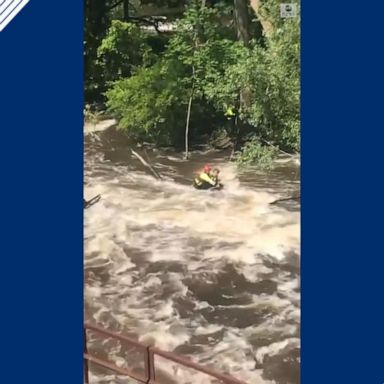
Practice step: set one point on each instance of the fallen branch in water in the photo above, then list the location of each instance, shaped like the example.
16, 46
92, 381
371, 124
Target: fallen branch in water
145, 163
89, 203
286, 199
277, 148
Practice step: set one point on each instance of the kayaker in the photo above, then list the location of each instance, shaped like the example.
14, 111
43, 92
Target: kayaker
214, 174
207, 178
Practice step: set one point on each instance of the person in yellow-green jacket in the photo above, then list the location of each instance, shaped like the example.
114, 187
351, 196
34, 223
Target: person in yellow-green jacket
229, 113
207, 178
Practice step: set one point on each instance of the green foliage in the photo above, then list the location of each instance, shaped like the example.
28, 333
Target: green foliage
92, 116
152, 103
273, 95
149, 93
269, 77
200, 45
274, 81
123, 49
223, 84
147, 103
219, 135
101, 67
96, 23
257, 154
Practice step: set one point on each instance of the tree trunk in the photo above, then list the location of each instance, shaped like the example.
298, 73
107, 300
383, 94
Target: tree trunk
126, 10
243, 21
243, 24
237, 137
187, 125
265, 23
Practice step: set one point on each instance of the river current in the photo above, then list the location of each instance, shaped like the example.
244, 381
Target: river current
212, 276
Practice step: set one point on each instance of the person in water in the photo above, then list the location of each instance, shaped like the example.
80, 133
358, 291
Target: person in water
214, 174
207, 178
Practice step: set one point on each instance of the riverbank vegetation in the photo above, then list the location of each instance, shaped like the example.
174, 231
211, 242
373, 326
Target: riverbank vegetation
179, 73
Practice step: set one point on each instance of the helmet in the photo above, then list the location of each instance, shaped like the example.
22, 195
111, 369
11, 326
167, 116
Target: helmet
207, 168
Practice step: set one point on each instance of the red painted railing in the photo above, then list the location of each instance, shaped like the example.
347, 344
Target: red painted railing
149, 353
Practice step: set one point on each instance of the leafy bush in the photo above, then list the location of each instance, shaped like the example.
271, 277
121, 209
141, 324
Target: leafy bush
144, 103
149, 94
151, 104
255, 153
268, 78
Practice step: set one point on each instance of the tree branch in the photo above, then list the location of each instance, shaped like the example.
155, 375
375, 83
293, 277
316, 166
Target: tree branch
285, 199
107, 9
274, 146
264, 21
145, 163
152, 22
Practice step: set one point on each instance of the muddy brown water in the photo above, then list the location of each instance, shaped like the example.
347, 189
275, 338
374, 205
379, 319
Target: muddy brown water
212, 276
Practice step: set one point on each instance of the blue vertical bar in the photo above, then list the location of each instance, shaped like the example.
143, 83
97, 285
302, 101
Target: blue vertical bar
41, 92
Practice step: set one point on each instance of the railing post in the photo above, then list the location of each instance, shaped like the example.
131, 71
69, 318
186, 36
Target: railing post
86, 368
150, 365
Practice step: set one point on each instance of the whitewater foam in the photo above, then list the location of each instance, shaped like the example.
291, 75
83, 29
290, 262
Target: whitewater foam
177, 268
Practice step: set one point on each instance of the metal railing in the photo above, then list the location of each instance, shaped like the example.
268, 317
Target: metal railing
149, 353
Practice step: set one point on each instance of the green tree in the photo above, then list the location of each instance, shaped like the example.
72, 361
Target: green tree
273, 74
270, 72
148, 103
123, 49
154, 99
205, 69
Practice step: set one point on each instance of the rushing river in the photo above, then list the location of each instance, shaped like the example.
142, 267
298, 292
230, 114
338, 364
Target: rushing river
213, 276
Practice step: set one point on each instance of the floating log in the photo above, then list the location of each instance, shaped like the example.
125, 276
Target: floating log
145, 163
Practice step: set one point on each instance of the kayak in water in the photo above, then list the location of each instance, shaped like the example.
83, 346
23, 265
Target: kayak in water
218, 187
208, 179
91, 202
